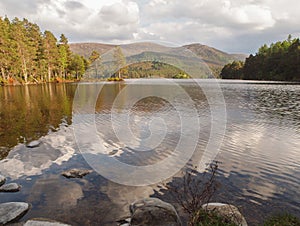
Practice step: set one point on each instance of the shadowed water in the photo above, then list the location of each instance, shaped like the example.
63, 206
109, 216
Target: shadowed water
260, 169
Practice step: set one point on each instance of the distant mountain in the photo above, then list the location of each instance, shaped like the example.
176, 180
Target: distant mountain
207, 53
177, 56
214, 56
85, 49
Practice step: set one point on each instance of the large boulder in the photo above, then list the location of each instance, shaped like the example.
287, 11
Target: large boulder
153, 212
12, 211
227, 211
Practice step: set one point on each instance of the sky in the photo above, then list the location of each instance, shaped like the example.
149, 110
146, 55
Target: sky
234, 26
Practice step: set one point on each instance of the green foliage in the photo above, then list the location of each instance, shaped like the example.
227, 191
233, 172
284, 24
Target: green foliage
233, 70
205, 218
28, 55
96, 62
94, 56
77, 65
120, 61
115, 79
279, 61
282, 220
152, 69
181, 76
64, 56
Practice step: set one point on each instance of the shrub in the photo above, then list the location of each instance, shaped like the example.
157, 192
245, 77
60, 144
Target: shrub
115, 79
195, 190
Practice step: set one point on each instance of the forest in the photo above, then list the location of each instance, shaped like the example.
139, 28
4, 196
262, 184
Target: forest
278, 62
28, 55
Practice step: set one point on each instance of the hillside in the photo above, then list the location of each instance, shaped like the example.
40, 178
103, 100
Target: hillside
214, 56
85, 49
175, 58
146, 51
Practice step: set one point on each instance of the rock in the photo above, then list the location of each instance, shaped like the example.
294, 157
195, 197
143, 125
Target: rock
76, 173
113, 152
2, 180
227, 211
124, 222
12, 187
33, 144
153, 211
43, 222
12, 211
55, 196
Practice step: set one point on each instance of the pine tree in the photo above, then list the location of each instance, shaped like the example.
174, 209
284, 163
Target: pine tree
120, 60
27, 55
64, 55
5, 58
51, 53
22, 54
96, 59
77, 66
33, 39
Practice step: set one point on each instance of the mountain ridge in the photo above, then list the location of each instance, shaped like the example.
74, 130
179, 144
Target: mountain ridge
214, 58
86, 48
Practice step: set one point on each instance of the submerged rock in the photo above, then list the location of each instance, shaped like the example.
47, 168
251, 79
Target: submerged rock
227, 211
55, 196
12, 187
33, 144
76, 173
43, 222
12, 211
153, 212
2, 180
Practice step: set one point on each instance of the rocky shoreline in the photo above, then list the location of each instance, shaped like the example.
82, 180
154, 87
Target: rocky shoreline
148, 211
153, 212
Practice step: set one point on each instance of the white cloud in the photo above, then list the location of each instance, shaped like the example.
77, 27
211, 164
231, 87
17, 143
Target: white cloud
80, 21
218, 12
232, 25
119, 14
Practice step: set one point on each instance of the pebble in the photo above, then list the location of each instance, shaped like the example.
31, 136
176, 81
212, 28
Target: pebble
12, 187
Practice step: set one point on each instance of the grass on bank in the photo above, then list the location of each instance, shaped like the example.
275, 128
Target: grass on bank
205, 218
284, 219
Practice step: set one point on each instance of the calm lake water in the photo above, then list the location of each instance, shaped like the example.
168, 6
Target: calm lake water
259, 153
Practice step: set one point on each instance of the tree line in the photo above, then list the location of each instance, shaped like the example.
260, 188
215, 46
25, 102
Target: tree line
279, 62
29, 55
